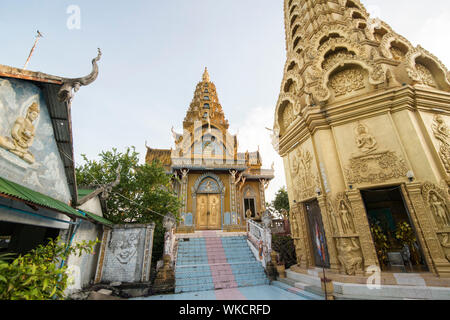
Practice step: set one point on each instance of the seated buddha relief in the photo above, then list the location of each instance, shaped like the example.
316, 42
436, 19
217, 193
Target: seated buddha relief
22, 135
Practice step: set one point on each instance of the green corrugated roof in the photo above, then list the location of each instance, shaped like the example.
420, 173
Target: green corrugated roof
97, 218
15, 190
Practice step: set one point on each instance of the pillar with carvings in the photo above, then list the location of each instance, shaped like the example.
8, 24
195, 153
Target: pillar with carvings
334, 265
300, 236
363, 229
433, 250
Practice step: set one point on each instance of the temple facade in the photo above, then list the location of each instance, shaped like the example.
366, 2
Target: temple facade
362, 126
218, 186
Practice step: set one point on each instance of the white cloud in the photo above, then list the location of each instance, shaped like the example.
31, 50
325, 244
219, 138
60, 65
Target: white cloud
431, 36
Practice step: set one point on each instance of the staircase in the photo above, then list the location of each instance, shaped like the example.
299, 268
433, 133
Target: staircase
211, 262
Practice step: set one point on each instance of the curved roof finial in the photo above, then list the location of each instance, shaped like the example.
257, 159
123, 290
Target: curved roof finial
73, 85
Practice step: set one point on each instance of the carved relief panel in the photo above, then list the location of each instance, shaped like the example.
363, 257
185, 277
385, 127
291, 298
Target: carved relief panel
438, 204
347, 81
304, 173
442, 135
29, 153
349, 255
341, 215
371, 155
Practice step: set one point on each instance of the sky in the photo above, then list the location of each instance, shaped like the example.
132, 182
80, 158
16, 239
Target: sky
154, 54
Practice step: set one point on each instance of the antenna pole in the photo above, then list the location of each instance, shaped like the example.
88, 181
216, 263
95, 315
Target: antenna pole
39, 35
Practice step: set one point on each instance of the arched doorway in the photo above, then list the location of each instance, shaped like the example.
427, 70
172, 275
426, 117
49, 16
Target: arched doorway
208, 193
249, 202
393, 232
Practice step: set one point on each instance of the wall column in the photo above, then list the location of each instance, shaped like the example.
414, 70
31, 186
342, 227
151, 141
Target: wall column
432, 249
363, 229
334, 265
302, 243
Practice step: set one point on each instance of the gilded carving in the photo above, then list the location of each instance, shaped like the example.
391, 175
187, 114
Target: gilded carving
442, 133
348, 80
336, 57
364, 140
425, 75
288, 116
376, 167
349, 255
440, 210
445, 243
438, 204
294, 222
22, 135
370, 166
341, 216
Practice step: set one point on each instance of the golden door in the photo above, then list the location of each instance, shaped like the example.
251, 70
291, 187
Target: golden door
208, 211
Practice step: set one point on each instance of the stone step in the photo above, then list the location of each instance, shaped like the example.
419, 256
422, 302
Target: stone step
219, 279
250, 272
298, 291
216, 263
221, 285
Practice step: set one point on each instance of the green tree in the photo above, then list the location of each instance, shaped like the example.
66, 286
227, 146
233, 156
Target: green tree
281, 201
143, 195
39, 275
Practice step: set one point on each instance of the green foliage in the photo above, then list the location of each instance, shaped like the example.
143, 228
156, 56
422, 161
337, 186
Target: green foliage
381, 243
38, 275
405, 235
281, 201
285, 247
142, 190
143, 195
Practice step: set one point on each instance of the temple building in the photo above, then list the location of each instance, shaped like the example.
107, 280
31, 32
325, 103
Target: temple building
218, 186
362, 125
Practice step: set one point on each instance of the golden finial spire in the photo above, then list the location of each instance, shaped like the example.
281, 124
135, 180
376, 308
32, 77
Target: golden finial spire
206, 75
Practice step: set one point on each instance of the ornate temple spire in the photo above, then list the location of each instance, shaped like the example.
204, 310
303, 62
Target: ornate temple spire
336, 51
205, 105
206, 75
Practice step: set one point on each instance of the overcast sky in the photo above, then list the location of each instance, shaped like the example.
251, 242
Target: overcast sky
154, 54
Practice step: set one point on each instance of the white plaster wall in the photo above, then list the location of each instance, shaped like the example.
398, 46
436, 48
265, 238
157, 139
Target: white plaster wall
83, 268
93, 206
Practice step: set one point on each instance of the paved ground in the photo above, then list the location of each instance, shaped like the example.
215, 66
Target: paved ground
266, 292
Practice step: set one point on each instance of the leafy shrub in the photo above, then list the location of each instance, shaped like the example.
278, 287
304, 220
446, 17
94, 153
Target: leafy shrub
38, 275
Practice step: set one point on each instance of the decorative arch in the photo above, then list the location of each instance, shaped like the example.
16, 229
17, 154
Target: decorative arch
351, 4
389, 40
282, 101
203, 178
421, 57
326, 32
376, 74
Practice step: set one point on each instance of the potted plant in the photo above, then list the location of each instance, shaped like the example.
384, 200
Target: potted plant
405, 235
281, 269
381, 244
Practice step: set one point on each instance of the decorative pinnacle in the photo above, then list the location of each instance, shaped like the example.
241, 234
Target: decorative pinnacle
206, 75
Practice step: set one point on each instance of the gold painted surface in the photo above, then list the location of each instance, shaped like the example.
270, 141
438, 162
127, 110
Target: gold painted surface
208, 211
371, 111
